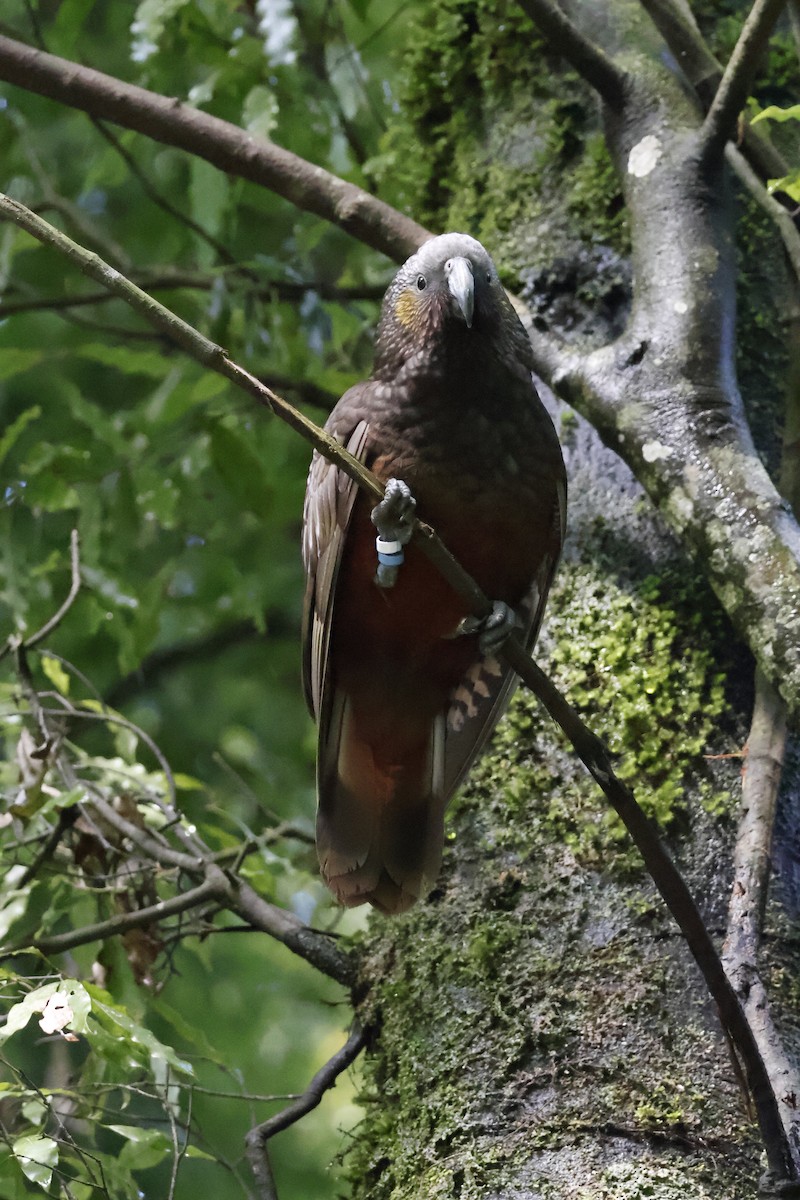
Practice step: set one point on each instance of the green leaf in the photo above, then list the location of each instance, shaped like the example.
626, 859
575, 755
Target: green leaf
136, 1033
260, 112
208, 195
56, 674
774, 113
37, 1156
130, 362
187, 783
144, 1148
16, 427
14, 361
789, 183
240, 469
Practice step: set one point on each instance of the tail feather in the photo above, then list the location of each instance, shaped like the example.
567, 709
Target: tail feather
380, 823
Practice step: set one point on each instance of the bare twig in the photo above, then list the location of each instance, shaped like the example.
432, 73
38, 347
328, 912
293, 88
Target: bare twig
734, 87
74, 588
789, 232
682, 36
122, 922
226, 146
751, 866
591, 63
794, 21
286, 289
322, 1082
153, 194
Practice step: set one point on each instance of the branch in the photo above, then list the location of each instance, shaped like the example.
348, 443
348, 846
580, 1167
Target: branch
122, 922
322, 1082
789, 232
589, 748
318, 949
219, 142
591, 63
697, 62
74, 588
175, 280
765, 750
704, 72
737, 79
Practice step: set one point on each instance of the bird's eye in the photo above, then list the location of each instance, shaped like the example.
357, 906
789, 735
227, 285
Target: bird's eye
422, 283
488, 276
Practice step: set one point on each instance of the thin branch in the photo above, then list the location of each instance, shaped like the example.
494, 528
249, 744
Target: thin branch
152, 193
765, 750
697, 62
789, 232
704, 72
66, 818
794, 21
188, 280
737, 79
322, 1082
588, 747
566, 39
318, 949
122, 922
74, 588
219, 142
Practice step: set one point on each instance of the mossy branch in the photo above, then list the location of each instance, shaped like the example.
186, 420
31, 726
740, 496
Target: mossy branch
242, 899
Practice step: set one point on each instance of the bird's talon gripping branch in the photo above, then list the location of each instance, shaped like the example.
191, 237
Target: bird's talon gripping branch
493, 630
394, 520
497, 628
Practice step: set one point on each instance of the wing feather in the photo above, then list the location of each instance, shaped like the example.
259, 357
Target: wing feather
330, 496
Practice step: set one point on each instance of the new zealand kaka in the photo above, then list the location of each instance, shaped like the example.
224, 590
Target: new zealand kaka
403, 684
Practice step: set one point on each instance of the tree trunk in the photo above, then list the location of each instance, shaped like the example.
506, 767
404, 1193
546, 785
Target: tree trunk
543, 1031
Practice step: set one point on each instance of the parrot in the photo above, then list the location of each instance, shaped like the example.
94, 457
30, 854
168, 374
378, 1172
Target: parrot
404, 684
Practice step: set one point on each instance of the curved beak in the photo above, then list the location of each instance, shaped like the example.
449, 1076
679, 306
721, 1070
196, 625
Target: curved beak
461, 283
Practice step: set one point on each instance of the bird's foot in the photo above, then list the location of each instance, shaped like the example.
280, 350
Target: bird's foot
493, 630
394, 520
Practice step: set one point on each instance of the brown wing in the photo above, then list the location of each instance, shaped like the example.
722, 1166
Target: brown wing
480, 699
330, 495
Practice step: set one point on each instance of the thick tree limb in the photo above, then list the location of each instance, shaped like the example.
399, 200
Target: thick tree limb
566, 39
224, 145
239, 897
664, 396
737, 79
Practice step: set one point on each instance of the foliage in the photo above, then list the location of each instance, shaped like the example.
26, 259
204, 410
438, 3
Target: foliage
187, 502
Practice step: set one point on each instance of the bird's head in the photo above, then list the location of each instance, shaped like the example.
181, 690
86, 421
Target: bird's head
449, 287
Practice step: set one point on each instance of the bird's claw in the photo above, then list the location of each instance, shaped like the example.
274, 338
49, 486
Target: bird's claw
394, 520
394, 516
493, 630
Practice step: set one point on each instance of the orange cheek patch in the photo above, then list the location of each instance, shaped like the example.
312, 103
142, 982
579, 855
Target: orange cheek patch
406, 309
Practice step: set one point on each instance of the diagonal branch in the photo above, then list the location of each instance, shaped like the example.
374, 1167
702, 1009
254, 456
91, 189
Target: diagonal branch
219, 142
322, 1082
241, 898
737, 79
591, 63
